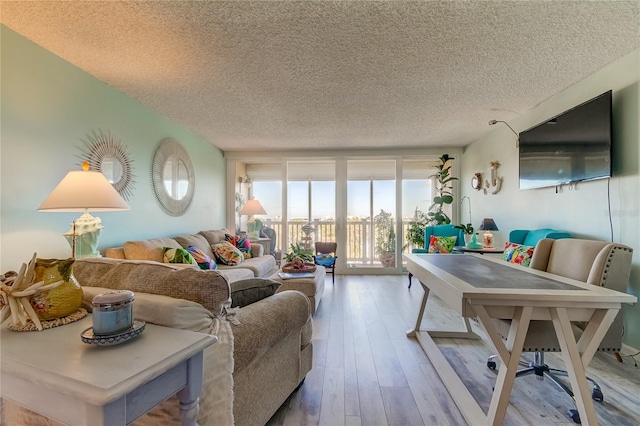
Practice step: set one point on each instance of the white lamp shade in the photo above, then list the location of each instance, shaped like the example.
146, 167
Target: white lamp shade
253, 207
84, 190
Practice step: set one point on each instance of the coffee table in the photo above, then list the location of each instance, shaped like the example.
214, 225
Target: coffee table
54, 373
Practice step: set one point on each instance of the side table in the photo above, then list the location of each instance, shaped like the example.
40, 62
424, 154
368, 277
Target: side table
55, 374
264, 242
466, 249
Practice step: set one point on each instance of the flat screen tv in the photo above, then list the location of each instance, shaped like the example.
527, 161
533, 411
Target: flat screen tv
571, 147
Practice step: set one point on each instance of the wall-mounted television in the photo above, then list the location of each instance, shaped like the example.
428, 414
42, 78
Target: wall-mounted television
571, 147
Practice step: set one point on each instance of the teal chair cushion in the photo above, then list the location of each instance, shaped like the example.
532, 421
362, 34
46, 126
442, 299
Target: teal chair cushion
531, 237
441, 231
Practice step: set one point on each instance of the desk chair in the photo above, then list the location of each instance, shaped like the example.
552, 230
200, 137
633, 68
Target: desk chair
438, 231
593, 262
329, 261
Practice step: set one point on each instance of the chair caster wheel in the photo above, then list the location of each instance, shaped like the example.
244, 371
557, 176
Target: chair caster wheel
491, 365
596, 395
575, 416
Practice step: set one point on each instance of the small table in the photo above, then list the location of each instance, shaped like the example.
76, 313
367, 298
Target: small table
483, 250
55, 374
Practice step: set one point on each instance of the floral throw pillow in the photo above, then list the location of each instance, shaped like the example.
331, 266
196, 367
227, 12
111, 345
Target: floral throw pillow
441, 244
177, 255
227, 253
518, 253
204, 261
242, 243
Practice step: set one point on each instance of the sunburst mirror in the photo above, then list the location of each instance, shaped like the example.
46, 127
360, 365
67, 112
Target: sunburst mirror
107, 154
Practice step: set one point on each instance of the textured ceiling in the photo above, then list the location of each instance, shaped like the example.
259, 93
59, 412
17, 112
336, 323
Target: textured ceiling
271, 75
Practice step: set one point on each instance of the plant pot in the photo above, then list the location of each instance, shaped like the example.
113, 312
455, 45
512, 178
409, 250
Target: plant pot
388, 259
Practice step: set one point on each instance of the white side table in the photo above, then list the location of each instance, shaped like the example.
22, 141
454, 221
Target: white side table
55, 374
264, 242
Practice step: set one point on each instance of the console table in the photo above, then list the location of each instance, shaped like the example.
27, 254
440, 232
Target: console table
54, 373
477, 286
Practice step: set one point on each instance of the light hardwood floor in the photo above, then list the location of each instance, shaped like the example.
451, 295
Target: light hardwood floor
367, 372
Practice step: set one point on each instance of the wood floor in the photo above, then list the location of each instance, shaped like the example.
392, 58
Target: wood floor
367, 372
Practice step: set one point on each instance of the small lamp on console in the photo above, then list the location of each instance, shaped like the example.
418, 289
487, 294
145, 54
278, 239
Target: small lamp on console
252, 208
487, 226
84, 191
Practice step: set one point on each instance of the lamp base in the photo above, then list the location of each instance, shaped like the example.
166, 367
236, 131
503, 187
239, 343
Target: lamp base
487, 239
84, 235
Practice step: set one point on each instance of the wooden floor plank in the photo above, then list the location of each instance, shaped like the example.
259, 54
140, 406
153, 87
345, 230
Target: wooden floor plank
361, 354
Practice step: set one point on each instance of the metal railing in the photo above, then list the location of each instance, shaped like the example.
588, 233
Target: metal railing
360, 247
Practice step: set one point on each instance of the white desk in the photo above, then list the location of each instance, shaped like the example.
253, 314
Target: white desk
55, 374
475, 286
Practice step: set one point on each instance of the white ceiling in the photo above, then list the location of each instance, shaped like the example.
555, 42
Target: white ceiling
269, 75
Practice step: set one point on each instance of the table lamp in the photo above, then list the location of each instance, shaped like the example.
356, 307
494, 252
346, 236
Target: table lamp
487, 226
84, 191
252, 208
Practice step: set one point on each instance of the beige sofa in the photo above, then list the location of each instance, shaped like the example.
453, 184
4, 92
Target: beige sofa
259, 265
264, 349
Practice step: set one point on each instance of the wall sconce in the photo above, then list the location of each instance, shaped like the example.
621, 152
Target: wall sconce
492, 122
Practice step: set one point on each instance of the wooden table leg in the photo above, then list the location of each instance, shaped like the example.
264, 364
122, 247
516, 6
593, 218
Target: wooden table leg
509, 354
189, 396
425, 296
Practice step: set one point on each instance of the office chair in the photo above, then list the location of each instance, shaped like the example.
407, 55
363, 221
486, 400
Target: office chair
326, 256
593, 262
438, 231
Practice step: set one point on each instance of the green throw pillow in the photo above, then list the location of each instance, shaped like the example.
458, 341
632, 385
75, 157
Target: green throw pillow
178, 255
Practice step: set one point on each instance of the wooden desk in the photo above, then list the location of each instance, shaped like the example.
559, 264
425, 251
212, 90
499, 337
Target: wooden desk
477, 286
55, 374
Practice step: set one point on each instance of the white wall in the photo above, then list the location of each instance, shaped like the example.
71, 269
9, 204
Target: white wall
582, 211
48, 106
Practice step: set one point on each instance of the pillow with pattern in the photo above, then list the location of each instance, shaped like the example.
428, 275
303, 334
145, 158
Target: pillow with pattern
227, 253
241, 242
204, 261
518, 253
178, 255
441, 244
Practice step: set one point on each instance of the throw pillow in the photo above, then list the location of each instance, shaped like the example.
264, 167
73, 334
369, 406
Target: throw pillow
204, 261
227, 253
518, 253
441, 244
251, 290
325, 259
241, 242
177, 255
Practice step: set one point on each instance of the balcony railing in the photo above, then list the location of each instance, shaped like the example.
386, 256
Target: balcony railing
360, 247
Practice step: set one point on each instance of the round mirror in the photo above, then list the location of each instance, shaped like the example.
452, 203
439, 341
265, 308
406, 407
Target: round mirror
109, 156
173, 177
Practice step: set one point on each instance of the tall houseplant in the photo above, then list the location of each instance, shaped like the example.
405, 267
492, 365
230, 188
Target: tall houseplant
444, 194
385, 238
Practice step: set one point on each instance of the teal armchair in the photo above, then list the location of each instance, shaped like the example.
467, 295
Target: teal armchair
438, 231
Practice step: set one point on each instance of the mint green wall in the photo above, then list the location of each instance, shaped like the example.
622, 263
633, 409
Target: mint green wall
48, 106
582, 211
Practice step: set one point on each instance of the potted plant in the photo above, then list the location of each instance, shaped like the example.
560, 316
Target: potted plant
444, 194
297, 252
414, 235
385, 238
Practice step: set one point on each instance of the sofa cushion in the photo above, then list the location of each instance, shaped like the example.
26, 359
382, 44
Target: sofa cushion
214, 236
151, 249
204, 261
234, 273
246, 292
195, 240
441, 244
207, 288
518, 253
178, 255
262, 266
226, 253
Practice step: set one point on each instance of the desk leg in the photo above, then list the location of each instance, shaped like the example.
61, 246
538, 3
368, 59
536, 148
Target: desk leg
189, 396
578, 355
509, 354
467, 334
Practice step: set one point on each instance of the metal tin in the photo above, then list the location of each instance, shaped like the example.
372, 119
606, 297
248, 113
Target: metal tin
112, 312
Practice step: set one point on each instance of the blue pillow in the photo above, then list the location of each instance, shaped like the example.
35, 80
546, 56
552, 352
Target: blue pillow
325, 259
